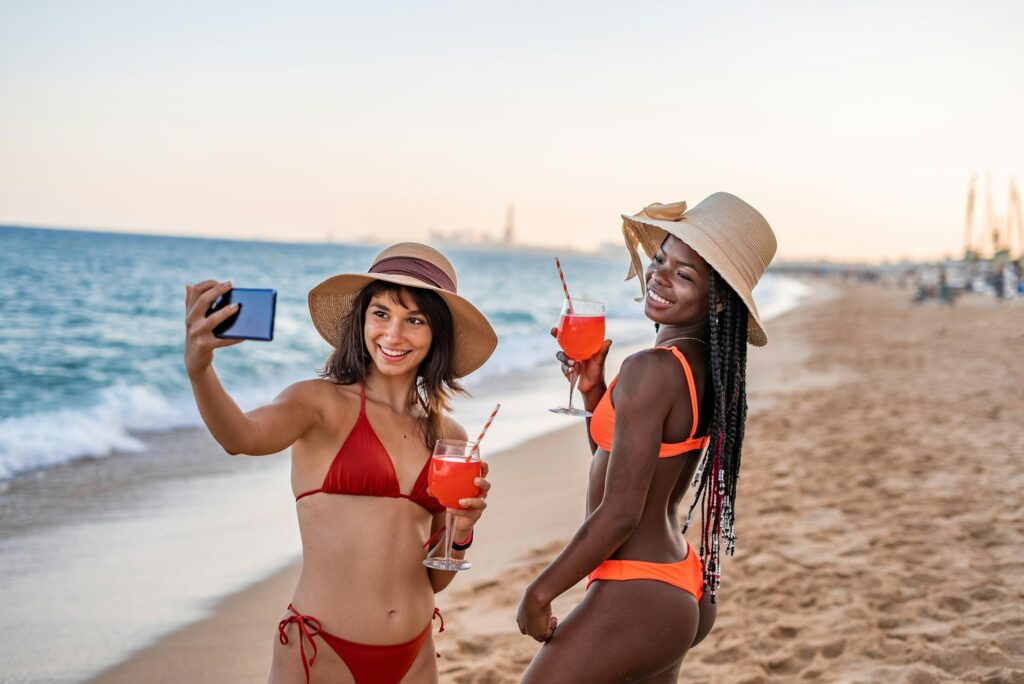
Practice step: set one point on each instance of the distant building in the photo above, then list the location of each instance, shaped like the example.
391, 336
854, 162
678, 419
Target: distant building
469, 238
510, 226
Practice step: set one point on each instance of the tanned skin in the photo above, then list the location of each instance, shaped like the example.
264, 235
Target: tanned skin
362, 575
637, 630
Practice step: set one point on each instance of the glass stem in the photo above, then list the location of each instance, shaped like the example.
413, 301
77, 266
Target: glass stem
449, 533
574, 377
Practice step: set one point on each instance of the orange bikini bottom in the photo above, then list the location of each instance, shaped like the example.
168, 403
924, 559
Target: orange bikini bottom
687, 574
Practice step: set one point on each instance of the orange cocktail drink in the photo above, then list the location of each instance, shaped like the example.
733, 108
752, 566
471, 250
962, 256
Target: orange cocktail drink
451, 479
453, 467
579, 336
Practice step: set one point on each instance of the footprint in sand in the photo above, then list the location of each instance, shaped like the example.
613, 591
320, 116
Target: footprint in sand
783, 632
729, 654
833, 649
920, 675
476, 646
988, 594
791, 660
482, 676
1003, 676
957, 604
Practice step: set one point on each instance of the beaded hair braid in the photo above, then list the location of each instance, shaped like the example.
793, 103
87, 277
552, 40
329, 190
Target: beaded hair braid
719, 469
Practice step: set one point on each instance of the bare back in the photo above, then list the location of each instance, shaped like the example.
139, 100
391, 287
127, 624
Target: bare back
656, 538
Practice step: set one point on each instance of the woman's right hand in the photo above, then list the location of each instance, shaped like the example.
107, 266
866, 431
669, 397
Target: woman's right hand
199, 338
591, 370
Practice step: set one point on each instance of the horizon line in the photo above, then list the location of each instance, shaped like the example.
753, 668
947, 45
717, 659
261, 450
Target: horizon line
365, 242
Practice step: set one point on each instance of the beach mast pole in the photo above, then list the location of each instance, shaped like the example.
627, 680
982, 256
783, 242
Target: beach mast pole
970, 216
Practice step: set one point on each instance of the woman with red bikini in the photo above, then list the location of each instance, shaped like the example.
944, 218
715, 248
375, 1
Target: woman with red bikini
674, 414
361, 439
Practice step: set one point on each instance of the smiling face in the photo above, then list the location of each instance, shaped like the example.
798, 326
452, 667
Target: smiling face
678, 283
397, 335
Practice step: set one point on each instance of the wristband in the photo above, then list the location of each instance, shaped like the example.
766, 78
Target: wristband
456, 546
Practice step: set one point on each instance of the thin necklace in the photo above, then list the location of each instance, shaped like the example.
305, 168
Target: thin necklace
695, 339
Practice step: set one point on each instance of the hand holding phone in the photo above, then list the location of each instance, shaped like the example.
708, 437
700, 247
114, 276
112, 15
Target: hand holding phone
206, 309
254, 318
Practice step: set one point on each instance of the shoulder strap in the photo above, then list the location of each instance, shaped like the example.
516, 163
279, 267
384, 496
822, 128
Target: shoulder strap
362, 399
689, 383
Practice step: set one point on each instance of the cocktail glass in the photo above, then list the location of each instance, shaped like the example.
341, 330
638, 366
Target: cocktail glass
454, 466
580, 335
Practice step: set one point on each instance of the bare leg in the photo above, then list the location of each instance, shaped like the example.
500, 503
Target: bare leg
622, 631
424, 669
669, 676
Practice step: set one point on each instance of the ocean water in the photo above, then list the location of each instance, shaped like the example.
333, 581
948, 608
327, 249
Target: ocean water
91, 364
91, 350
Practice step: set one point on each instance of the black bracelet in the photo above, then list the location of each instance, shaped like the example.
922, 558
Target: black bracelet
456, 546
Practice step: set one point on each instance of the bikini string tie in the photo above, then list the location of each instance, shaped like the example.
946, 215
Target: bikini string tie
437, 614
309, 627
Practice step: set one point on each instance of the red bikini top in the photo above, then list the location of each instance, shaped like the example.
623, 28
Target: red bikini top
602, 423
363, 467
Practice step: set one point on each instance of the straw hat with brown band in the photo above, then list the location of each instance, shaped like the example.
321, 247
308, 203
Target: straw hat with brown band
727, 232
412, 265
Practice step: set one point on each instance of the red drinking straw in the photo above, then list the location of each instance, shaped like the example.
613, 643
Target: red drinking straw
565, 288
483, 432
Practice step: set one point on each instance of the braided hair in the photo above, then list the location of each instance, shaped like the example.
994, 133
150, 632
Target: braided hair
719, 469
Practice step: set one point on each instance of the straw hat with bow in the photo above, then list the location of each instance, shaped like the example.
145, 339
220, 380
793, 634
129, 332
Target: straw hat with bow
727, 232
409, 264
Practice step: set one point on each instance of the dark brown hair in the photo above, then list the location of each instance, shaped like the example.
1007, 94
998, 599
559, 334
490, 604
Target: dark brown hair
435, 382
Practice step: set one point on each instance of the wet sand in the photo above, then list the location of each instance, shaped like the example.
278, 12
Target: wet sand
879, 526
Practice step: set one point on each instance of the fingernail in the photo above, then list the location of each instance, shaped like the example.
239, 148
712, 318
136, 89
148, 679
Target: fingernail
463, 502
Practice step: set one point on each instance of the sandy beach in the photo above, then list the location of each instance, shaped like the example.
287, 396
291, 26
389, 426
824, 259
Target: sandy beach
879, 525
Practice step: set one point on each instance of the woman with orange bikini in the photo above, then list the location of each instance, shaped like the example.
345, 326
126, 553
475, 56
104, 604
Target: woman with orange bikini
361, 438
674, 415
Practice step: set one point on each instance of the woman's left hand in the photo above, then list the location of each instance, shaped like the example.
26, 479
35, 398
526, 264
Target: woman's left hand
465, 518
535, 618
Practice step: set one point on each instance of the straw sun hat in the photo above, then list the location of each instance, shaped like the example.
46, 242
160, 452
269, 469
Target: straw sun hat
412, 265
727, 232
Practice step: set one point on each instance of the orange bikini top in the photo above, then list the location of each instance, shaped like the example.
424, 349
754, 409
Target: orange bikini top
602, 423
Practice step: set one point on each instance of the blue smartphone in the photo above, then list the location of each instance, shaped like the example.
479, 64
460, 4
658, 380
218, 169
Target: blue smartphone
255, 317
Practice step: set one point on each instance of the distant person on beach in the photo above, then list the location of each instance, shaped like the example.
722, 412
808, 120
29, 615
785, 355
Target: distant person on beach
945, 291
675, 414
402, 338
999, 283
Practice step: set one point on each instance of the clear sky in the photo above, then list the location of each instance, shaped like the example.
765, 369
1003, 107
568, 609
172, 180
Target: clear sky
853, 127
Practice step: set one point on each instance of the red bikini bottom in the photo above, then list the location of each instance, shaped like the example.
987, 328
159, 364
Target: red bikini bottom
368, 663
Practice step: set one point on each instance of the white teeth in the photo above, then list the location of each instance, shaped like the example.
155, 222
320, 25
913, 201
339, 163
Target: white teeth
660, 300
391, 352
